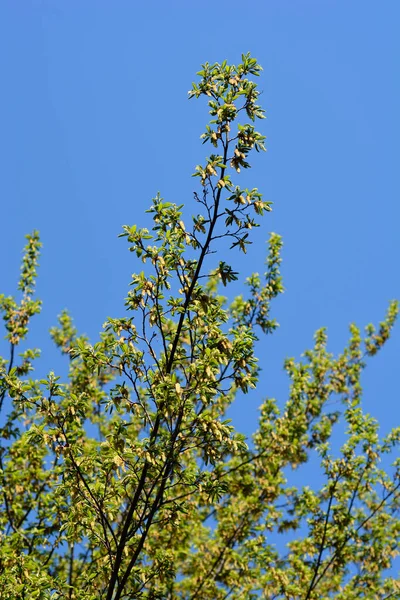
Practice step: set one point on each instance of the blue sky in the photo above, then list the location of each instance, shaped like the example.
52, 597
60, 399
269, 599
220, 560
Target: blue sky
95, 121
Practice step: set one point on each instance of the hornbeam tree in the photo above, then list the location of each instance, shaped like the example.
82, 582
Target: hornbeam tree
127, 480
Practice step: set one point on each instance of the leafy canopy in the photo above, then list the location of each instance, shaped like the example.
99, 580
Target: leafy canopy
126, 480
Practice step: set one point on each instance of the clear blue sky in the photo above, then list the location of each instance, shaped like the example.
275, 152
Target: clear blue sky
95, 120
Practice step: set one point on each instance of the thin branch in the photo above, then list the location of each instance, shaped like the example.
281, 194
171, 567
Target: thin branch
322, 544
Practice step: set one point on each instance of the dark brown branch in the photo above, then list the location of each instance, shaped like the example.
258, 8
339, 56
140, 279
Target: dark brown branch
153, 437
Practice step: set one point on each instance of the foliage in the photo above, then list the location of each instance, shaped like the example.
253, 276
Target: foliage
127, 480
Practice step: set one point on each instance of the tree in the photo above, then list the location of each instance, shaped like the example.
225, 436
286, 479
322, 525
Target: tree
127, 480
